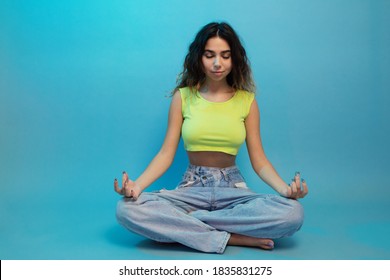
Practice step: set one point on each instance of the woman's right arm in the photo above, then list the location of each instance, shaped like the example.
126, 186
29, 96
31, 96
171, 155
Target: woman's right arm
164, 157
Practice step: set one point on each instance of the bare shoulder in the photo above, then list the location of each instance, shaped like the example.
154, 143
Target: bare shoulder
176, 96
175, 110
176, 101
254, 104
253, 110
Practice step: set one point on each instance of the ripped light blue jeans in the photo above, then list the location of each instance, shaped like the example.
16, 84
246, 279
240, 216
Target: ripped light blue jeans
206, 207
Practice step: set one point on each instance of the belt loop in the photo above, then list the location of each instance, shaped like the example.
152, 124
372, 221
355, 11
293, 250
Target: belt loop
225, 175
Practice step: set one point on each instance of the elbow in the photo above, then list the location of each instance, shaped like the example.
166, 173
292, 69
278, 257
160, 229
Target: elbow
166, 156
259, 163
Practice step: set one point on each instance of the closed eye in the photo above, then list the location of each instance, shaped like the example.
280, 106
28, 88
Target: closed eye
224, 54
209, 54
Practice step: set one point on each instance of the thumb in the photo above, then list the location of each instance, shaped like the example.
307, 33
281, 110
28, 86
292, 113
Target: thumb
116, 187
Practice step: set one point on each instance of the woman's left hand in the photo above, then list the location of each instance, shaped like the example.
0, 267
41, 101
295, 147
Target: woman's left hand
129, 188
297, 188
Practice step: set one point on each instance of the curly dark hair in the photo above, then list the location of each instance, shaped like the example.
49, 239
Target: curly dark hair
240, 78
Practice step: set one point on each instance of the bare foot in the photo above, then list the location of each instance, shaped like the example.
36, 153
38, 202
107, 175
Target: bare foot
242, 240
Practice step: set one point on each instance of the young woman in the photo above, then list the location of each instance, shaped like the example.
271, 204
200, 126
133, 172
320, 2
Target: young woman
213, 108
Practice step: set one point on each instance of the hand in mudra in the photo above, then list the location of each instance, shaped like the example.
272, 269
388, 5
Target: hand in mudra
297, 188
129, 188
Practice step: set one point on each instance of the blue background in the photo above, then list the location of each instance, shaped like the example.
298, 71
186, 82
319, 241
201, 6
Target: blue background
83, 96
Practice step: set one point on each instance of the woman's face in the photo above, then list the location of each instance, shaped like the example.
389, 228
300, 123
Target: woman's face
216, 59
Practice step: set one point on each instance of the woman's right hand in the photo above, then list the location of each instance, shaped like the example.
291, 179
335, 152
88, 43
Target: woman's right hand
129, 188
295, 191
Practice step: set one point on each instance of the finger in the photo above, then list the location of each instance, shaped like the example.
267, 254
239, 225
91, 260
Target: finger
128, 188
288, 192
127, 192
124, 178
293, 188
305, 188
116, 187
297, 179
298, 182
135, 193
128, 184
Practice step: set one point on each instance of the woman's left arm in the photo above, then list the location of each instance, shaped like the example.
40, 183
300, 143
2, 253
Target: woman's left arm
262, 165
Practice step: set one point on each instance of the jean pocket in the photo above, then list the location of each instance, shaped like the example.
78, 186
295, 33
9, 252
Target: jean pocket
240, 185
188, 181
185, 184
237, 181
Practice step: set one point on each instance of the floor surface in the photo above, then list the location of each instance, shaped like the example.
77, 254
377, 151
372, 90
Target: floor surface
82, 225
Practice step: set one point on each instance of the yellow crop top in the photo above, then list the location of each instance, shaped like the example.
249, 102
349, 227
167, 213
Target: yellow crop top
214, 126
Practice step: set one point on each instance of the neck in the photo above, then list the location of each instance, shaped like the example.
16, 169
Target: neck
215, 86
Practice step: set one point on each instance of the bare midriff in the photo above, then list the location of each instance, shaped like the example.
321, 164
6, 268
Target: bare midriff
211, 159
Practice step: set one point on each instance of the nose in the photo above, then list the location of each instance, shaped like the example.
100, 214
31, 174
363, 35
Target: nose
217, 64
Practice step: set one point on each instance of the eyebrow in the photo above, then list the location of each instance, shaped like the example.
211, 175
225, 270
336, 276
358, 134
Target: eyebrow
223, 52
